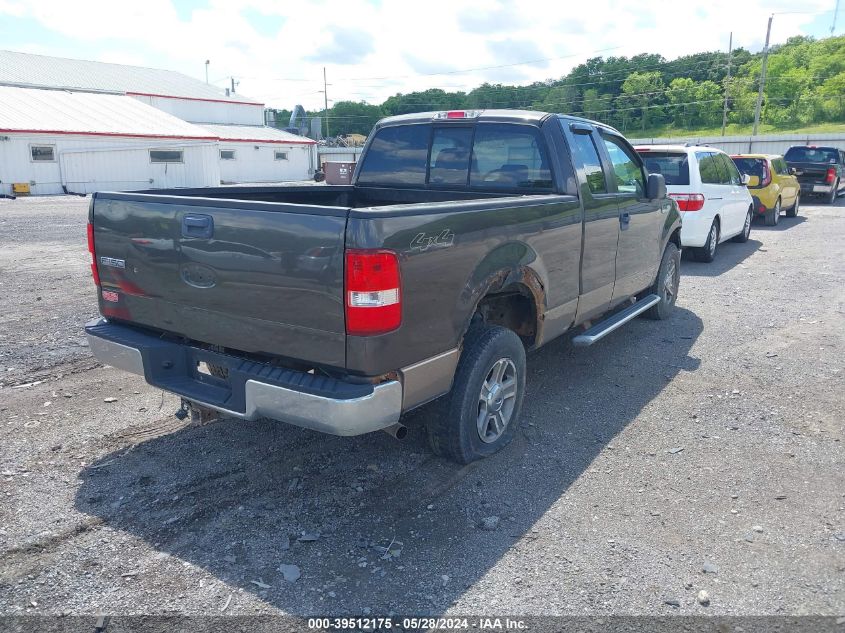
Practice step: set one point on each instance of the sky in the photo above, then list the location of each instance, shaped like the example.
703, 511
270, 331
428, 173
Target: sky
276, 49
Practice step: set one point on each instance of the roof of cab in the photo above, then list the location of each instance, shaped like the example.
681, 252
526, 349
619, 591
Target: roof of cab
505, 116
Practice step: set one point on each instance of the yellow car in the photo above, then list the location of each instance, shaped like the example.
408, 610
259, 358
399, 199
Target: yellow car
772, 186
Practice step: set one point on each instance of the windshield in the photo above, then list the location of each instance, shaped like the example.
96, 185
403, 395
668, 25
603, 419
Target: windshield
673, 165
812, 155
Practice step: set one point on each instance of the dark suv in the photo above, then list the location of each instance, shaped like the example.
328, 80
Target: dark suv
820, 170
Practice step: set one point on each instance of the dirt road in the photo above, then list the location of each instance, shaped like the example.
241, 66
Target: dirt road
703, 453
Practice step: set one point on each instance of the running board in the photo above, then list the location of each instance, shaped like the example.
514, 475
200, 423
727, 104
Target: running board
600, 330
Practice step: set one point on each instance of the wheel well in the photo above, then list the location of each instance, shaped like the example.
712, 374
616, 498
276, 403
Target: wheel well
675, 238
513, 308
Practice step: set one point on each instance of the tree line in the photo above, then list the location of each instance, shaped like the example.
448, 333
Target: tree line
648, 94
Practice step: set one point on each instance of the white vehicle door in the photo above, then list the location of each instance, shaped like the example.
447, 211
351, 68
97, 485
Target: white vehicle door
738, 196
716, 194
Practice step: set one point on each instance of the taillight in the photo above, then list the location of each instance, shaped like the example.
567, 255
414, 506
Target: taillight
831, 175
373, 294
94, 273
689, 201
767, 176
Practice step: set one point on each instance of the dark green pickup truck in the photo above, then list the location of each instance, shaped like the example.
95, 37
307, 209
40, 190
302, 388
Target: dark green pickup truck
820, 170
465, 239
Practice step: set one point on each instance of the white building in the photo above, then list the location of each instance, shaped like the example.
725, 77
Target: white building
81, 126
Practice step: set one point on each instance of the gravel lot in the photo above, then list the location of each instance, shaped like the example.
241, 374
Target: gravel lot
709, 442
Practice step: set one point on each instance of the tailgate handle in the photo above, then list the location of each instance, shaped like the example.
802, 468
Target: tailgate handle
197, 226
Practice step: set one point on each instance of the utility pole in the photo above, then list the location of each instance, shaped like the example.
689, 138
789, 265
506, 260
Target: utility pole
326, 100
234, 83
762, 78
207, 62
727, 84
835, 12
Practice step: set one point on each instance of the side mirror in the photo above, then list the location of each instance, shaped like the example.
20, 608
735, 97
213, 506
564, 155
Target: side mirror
750, 181
745, 179
793, 171
656, 187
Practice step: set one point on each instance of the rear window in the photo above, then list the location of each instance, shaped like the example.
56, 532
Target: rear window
751, 166
397, 155
673, 165
486, 156
450, 149
812, 155
507, 157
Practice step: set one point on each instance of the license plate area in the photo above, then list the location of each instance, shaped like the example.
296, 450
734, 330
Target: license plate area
821, 188
185, 371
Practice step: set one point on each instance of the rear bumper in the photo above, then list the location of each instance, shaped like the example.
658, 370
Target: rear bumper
760, 208
816, 188
695, 227
252, 390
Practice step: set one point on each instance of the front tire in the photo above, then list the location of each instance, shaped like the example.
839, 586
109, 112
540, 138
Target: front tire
707, 253
666, 284
746, 228
773, 214
792, 212
479, 416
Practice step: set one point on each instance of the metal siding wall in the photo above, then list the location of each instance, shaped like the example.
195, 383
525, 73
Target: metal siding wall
88, 164
207, 111
769, 144
259, 165
16, 165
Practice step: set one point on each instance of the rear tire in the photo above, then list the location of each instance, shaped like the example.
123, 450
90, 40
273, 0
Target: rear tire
792, 212
742, 238
773, 214
707, 253
479, 416
831, 197
666, 284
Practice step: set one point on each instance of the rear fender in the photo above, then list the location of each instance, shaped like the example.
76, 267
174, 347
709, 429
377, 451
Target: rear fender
512, 267
671, 224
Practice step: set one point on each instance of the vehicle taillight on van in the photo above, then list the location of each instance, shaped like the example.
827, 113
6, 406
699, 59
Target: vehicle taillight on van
373, 294
831, 175
689, 201
94, 273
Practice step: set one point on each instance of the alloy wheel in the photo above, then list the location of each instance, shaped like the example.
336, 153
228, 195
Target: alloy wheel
670, 283
496, 400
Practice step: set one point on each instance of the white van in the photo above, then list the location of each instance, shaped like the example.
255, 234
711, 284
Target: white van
711, 194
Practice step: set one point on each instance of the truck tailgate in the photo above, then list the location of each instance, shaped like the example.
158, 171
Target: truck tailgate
251, 276
812, 173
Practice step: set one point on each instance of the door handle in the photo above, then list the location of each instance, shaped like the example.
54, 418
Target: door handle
624, 218
201, 226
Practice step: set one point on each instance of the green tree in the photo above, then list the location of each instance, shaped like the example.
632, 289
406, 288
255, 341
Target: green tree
642, 97
353, 117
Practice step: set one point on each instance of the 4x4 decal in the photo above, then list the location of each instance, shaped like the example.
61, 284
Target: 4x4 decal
423, 242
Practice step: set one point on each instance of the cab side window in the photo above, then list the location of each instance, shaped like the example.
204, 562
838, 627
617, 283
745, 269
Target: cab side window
626, 166
588, 156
